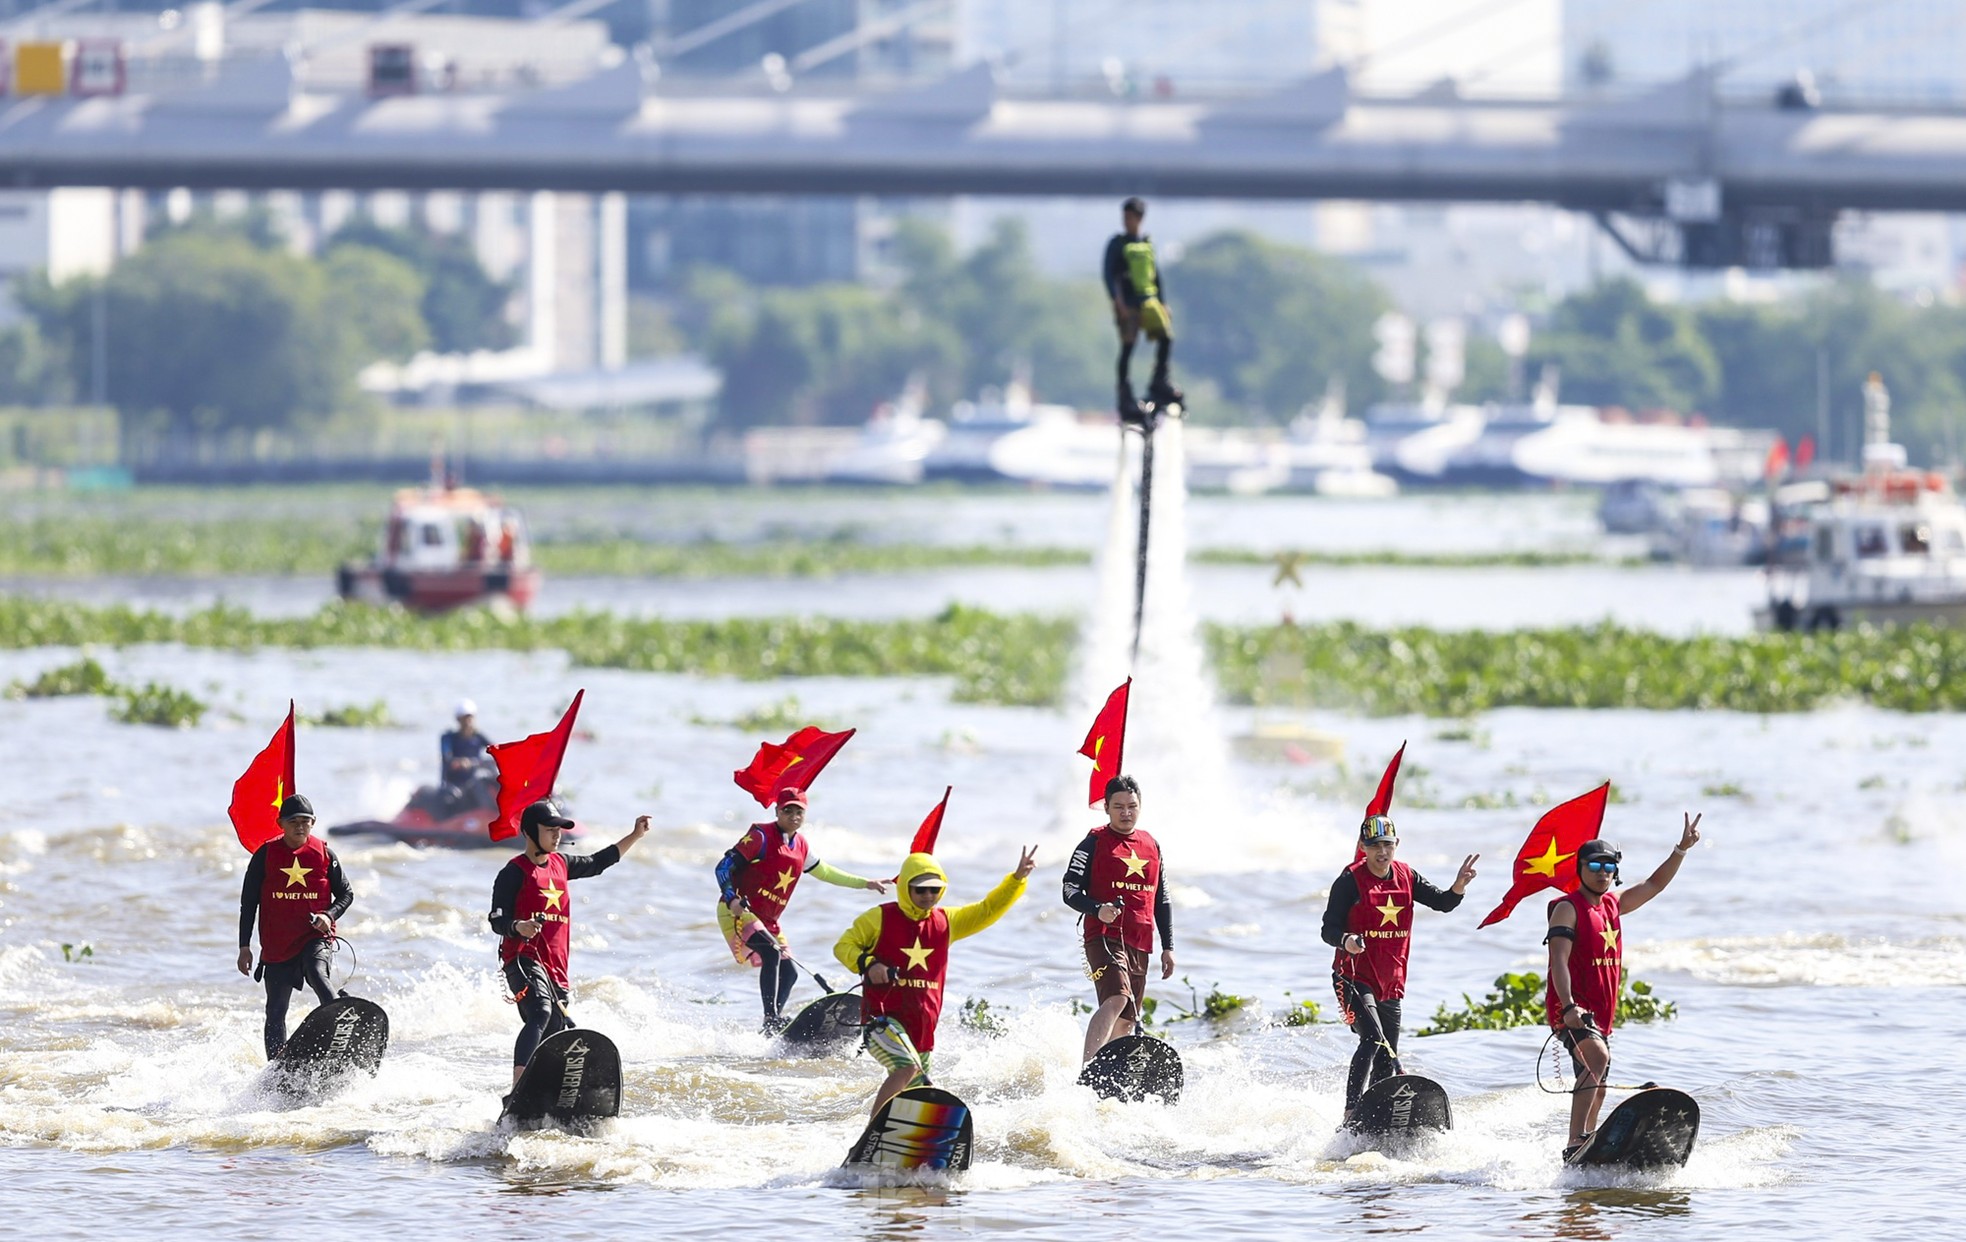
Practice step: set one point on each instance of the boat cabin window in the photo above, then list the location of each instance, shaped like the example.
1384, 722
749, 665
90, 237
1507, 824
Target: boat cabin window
1915, 540
433, 535
1951, 541
1871, 542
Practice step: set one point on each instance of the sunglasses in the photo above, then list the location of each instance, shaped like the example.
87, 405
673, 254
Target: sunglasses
1601, 866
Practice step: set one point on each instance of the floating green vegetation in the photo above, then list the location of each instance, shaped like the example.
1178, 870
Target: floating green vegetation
978, 1016
1462, 673
1724, 789
1300, 1012
780, 716
154, 703
1019, 659
626, 558
1518, 1001
353, 716
84, 676
1211, 1008
71, 952
1306, 557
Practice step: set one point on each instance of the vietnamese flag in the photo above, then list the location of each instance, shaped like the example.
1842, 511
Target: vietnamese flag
527, 770
792, 766
257, 795
1805, 452
1777, 462
924, 842
1539, 864
1382, 799
1106, 743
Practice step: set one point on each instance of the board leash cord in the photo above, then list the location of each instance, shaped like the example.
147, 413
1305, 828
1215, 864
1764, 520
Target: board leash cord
1556, 1072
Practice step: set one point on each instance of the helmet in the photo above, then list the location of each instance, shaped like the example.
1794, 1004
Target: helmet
1377, 828
465, 707
1596, 850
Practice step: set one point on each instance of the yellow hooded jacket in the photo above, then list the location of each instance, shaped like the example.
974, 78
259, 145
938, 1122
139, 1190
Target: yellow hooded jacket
963, 920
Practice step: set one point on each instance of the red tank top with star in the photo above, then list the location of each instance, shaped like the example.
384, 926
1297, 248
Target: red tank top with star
1383, 916
917, 951
1125, 869
1597, 960
293, 888
775, 865
542, 895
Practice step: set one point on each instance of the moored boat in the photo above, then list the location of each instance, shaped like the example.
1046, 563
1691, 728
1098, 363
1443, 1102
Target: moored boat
444, 548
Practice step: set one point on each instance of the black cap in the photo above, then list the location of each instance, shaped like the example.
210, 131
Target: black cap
1136, 205
1597, 848
541, 814
296, 804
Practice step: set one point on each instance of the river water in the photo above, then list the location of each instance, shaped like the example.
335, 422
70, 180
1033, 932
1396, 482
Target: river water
1815, 944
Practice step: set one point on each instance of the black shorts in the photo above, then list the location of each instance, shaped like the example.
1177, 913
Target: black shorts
1570, 1038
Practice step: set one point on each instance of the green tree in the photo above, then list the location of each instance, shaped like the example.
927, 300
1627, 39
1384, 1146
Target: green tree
374, 296
1614, 346
463, 306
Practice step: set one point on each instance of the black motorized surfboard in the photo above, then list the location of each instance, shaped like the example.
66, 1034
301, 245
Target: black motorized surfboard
345, 1035
922, 1128
573, 1081
828, 1025
1405, 1105
1654, 1129
1133, 1067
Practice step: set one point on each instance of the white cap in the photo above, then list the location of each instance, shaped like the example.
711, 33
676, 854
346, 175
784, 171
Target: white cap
465, 707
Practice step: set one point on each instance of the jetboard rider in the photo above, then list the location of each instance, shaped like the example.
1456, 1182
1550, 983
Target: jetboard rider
1587, 955
465, 770
532, 912
1116, 882
1135, 287
1368, 920
294, 886
756, 878
901, 952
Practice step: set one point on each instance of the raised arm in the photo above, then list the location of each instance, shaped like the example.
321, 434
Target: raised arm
1652, 885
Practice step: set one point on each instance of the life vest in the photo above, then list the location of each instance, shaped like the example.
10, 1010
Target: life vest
1383, 917
917, 951
1125, 869
543, 895
1141, 271
767, 881
293, 888
1597, 960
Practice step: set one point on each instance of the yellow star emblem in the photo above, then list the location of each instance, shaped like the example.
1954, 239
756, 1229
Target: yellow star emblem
917, 957
1546, 863
1388, 913
1610, 935
295, 874
1098, 745
552, 896
786, 879
279, 793
1135, 865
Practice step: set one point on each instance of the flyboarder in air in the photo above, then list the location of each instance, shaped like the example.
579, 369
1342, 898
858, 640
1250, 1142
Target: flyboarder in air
756, 878
1116, 883
532, 912
1135, 287
1368, 920
901, 952
1587, 962
295, 887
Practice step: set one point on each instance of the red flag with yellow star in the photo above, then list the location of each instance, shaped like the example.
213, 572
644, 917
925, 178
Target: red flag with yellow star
268, 779
527, 769
793, 765
1382, 798
1553, 842
1106, 743
924, 842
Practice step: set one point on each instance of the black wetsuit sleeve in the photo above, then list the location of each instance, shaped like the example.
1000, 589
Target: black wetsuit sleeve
1117, 283
505, 898
1434, 898
342, 895
580, 866
1078, 876
1163, 912
249, 895
1338, 908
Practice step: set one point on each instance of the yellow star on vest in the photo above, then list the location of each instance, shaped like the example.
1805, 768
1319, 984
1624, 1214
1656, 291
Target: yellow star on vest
552, 896
917, 956
1135, 865
786, 879
1388, 913
1546, 864
1610, 935
295, 874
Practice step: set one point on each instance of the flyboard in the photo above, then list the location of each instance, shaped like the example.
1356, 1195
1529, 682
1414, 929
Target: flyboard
1405, 1106
345, 1035
572, 1082
1652, 1130
1134, 1067
1150, 418
921, 1128
827, 1026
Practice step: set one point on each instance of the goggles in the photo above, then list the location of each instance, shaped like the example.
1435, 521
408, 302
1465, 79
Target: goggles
1602, 865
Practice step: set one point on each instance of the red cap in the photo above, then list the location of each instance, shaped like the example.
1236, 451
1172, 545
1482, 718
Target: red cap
789, 796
